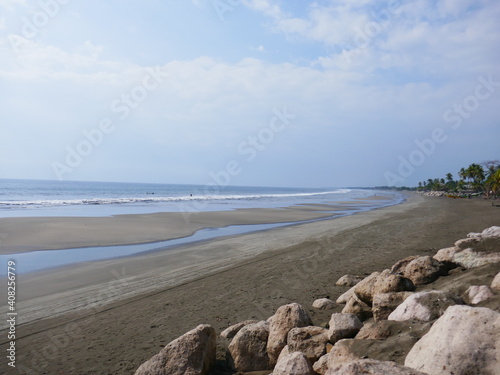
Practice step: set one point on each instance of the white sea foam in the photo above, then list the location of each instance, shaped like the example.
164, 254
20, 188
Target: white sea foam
160, 199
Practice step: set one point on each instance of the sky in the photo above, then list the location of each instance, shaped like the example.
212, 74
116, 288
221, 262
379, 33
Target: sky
327, 93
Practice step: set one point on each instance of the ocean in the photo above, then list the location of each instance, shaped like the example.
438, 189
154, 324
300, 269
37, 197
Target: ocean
29, 198
35, 198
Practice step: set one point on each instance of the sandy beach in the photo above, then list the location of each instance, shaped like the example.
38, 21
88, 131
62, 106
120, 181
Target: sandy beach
108, 317
52, 233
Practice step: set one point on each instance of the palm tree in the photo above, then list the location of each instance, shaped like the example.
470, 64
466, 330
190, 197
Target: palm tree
495, 183
492, 182
462, 174
475, 173
450, 183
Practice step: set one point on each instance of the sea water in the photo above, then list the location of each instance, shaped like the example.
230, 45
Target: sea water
29, 198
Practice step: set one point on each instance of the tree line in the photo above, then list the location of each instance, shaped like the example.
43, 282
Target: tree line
481, 178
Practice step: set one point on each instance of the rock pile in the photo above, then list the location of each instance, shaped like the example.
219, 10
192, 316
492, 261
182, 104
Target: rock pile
436, 193
393, 322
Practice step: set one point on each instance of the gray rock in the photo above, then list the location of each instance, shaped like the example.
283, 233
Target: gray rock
321, 365
324, 304
357, 307
343, 326
192, 353
400, 265
388, 282
478, 293
465, 340
342, 353
425, 306
248, 349
364, 289
286, 317
384, 341
493, 231
349, 280
384, 329
231, 331
285, 352
295, 363
424, 270
464, 243
344, 298
469, 258
309, 340
384, 282
371, 367
385, 303
446, 254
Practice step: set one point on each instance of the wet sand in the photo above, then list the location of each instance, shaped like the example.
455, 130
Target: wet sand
108, 317
51, 233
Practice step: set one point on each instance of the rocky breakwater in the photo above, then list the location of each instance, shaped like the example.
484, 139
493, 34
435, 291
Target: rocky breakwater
425, 315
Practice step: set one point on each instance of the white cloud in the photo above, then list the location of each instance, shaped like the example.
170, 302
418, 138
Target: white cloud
264, 6
36, 61
425, 36
10, 5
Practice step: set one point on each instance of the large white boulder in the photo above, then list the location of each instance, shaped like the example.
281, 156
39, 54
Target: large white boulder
295, 363
493, 231
286, 317
192, 353
343, 326
469, 258
425, 306
465, 340
248, 348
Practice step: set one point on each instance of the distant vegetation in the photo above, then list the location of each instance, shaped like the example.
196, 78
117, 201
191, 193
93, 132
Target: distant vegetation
481, 179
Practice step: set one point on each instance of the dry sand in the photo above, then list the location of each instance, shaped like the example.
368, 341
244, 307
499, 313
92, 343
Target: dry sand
108, 317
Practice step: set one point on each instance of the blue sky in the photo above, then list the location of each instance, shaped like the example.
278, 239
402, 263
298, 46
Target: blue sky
248, 92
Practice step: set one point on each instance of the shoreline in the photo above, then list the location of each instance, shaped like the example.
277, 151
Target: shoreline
26, 234
115, 314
